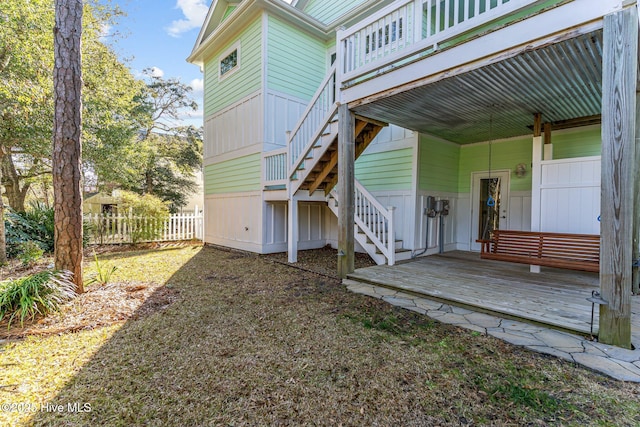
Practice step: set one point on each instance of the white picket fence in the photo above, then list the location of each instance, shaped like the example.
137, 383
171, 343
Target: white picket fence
105, 229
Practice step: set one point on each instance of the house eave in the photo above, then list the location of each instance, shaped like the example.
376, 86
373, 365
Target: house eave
247, 11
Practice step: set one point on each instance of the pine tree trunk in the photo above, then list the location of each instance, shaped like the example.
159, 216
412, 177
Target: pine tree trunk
3, 237
67, 130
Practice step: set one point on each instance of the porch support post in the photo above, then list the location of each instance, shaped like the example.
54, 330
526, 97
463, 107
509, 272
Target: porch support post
548, 146
346, 190
536, 179
635, 289
292, 229
619, 78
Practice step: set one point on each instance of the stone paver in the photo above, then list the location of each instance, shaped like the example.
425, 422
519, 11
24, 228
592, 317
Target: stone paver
454, 319
516, 337
484, 320
618, 363
551, 351
399, 301
561, 340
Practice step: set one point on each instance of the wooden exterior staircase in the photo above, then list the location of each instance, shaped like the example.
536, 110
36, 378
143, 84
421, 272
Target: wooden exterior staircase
312, 165
373, 226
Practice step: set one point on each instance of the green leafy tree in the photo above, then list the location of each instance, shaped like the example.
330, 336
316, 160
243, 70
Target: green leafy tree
111, 113
167, 156
169, 163
146, 215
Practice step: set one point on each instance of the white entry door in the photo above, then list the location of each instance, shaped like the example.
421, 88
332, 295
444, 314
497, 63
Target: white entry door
489, 204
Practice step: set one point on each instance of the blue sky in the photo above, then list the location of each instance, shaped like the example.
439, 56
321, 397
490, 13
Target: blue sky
160, 34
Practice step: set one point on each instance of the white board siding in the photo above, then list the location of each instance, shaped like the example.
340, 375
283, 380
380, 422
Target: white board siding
451, 227
404, 203
391, 138
519, 215
236, 127
312, 230
282, 114
570, 195
275, 230
234, 220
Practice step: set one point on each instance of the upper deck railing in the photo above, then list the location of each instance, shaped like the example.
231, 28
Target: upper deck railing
409, 28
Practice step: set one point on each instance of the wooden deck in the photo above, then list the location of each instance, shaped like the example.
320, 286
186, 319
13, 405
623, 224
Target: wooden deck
554, 297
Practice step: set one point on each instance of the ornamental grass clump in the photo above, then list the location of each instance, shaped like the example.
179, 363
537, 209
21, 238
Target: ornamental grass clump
39, 293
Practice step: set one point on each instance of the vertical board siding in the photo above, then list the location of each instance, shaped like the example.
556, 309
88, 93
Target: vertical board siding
390, 170
439, 162
504, 155
570, 196
282, 114
389, 134
233, 128
275, 231
232, 176
248, 79
327, 11
234, 220
310, 226
296, 61
519, 215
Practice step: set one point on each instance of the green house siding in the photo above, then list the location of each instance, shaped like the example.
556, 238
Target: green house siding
439, 162
228, 12
248, 79
233, 176
327, 11
581, 143
504, 155
389, 170
296, 61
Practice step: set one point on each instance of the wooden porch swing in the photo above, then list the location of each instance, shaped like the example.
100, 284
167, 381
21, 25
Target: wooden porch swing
559, 250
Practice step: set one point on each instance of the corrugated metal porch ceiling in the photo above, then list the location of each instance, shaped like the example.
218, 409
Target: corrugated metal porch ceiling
563, 81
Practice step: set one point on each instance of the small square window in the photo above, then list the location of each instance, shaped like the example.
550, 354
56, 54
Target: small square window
229, 62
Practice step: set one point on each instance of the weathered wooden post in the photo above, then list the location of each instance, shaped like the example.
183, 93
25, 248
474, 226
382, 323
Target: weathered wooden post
635, 288
346, 190
619, 82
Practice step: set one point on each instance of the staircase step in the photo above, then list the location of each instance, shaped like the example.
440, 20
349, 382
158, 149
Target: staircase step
398, 247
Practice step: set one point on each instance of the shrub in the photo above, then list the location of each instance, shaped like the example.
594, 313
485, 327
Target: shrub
35, 225
146, 215
29, 252
39, 293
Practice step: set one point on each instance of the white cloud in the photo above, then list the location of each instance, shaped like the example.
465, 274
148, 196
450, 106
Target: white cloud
194, 11
198, 86
156, 72
105, 31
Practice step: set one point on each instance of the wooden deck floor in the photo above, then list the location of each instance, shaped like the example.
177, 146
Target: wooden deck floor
554, 297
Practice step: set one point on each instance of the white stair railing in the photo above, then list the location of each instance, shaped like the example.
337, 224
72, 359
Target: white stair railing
275, 167
313, 123
376, 221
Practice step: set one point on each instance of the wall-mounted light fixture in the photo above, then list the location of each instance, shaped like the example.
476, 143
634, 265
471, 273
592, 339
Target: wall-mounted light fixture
521, 170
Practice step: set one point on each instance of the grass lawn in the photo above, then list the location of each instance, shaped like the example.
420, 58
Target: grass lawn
193, 336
